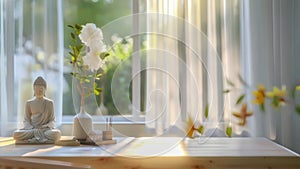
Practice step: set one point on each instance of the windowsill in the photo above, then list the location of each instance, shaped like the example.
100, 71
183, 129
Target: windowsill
125, 119
122, 125
114, 123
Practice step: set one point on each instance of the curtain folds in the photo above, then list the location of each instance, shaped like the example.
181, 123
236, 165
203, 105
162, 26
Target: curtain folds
250, 41
270, 53
206, 36
162, 100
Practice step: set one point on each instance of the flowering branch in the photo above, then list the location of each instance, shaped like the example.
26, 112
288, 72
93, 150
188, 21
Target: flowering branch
87, 55
278, 97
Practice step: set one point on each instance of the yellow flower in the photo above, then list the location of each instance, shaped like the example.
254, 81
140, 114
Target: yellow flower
277, 92
277, 96
259, 95
298, 88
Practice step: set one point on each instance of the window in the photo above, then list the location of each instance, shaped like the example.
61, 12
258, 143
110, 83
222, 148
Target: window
102, 13
40, 27
34, 41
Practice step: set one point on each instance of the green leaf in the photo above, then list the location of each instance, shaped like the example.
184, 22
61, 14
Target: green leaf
97, 91
78, 27
73, 35
75, 50
99, 75
73, 58
80, 47
87, 80
90, 76
104, 55
276, 101
229, 131
230, 82
262, 107
226, 91
70, 26
242, 80
240, 99
293, 93
201, 129
206, 111
297, 108
70, 53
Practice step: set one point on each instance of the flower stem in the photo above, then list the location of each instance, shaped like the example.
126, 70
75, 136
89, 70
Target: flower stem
82, 94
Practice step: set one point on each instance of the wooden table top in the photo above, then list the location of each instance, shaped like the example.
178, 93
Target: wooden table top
155, 146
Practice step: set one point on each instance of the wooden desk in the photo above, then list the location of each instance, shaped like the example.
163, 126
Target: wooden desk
167, 152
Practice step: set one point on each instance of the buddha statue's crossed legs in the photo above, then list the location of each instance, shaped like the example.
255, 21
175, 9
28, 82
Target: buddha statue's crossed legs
37, 135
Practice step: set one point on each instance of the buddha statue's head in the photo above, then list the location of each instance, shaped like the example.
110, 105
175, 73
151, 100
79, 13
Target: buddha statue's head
39, 87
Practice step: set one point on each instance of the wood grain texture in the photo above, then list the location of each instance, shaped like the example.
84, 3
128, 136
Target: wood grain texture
36, 163
168, 152
188, 162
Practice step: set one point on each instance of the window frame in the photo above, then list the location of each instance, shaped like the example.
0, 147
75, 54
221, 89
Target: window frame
135, 117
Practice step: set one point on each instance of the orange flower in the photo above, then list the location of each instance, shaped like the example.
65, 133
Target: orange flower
190, 127
242, 115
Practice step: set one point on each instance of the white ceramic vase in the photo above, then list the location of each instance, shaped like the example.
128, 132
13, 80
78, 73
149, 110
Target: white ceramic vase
82, 125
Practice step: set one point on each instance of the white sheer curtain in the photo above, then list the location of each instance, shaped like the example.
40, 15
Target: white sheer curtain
190, 66
163, 106
270, 51
31, 45
257, 40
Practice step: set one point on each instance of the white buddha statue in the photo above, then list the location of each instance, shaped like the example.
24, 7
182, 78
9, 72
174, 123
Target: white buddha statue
39, 126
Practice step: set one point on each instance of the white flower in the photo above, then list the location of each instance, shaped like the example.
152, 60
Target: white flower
115, 38
129, 40
97, 46
90, 33
92, 37
93, 60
